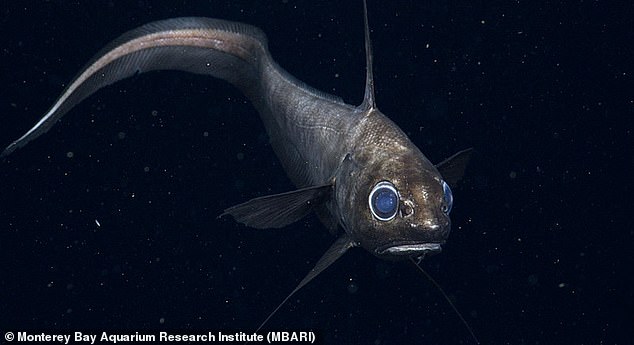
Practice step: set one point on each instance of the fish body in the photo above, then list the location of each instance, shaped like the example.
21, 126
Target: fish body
367, 182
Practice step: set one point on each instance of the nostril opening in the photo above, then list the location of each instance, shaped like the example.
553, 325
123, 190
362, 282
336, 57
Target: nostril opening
407, 209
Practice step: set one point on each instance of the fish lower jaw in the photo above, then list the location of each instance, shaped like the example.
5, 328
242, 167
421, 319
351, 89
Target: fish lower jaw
412, 249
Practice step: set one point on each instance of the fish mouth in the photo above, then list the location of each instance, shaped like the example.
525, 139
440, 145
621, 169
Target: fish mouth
412, 249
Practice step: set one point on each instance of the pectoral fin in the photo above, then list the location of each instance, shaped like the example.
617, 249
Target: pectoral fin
279, 210
453, 167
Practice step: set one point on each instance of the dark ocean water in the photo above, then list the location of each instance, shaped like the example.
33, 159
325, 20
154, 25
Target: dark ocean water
108, 222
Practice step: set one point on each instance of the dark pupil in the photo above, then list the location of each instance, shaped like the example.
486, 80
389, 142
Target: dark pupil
385, 202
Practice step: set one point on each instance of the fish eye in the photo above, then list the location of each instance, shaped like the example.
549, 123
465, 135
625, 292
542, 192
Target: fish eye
384, 201
447, 198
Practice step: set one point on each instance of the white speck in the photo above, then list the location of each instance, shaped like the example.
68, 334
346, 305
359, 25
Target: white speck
97, 222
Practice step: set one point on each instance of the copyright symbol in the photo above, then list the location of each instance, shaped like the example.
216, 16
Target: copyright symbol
9, 336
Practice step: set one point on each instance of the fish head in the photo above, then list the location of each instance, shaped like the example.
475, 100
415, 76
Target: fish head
395, 203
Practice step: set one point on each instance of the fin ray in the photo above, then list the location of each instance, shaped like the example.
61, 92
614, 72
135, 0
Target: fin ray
331, 255
369, 102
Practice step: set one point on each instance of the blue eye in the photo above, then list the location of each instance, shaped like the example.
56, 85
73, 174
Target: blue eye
447, 198
384, 201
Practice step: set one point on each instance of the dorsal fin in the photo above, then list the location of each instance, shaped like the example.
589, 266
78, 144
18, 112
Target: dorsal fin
369, 103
